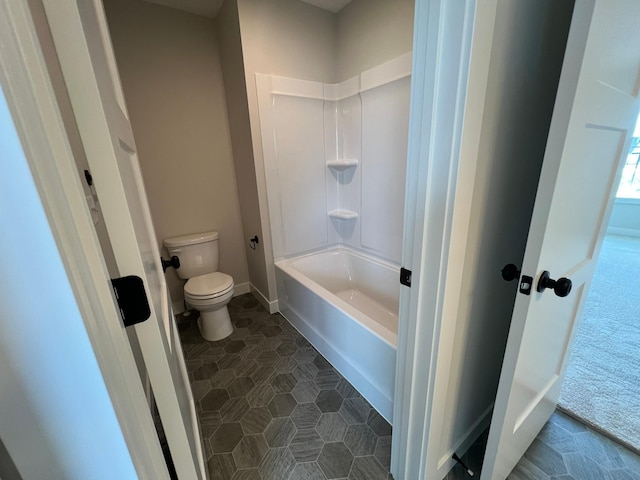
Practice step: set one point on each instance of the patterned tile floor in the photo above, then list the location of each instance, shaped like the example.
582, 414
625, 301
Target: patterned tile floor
272, 408
565, 449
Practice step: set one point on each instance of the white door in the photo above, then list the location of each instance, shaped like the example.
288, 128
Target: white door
84, 48
596, 108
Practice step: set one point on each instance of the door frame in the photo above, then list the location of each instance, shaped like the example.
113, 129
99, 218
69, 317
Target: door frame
503, 447
79, 32
451, 56
30, 97
451, 59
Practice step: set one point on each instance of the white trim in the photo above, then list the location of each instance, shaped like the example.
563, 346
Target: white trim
434, 233
241, 289
396, 69
626, 201
271, 307
632, 205
178, 307
30, 96
479, 29
388, 72
293, 87
339, 91
83, 47
626, 232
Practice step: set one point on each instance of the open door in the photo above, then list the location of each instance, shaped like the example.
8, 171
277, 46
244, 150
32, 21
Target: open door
596, 108
84, 49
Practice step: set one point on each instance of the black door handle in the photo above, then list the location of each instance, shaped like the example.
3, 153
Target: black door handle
561, 287
510, 272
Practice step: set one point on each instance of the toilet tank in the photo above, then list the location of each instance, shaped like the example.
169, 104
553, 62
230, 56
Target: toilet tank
198, 253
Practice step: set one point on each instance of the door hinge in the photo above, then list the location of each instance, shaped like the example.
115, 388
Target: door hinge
132, 299
405, 277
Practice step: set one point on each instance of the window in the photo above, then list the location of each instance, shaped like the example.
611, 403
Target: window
630, 182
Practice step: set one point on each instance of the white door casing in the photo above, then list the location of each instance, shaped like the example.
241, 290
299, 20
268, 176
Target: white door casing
596, 108
440, 174
84, 49
29, 93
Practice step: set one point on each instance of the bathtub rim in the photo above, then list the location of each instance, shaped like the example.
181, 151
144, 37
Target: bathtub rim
340, 246
286, 265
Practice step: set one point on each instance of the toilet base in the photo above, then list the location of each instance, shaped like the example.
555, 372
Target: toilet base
215, 325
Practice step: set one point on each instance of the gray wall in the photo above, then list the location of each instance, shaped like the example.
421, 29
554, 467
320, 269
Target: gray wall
228, 29
625, 217
171, 74
371, 32
288, 38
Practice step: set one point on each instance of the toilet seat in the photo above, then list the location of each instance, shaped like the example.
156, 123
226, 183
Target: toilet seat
209, 286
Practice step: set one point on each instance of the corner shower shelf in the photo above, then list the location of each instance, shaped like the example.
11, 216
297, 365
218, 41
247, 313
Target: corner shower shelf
343, 214
342, 165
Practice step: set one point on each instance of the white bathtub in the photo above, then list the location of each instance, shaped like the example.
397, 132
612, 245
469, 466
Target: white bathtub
346, 305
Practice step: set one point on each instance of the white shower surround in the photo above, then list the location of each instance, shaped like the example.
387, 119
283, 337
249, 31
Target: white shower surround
306, 127
335, 167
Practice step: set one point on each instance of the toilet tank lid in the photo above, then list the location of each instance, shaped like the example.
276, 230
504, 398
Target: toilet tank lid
191, 239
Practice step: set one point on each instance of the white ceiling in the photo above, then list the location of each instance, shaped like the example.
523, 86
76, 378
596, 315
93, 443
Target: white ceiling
331, 5
205, 8
209, 8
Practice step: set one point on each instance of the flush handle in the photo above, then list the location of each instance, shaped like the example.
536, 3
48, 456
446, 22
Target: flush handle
172, 262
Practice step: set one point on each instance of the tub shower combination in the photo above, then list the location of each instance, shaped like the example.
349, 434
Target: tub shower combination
346, 305
335, 163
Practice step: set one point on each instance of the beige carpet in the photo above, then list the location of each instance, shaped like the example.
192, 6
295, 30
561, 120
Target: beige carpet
602, 384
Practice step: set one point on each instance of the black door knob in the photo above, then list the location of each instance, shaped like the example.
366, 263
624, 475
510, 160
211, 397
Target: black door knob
173, 262
510, 272
561, 287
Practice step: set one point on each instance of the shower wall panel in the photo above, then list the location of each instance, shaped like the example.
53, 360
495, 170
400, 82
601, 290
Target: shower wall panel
385, 124
347, 182
292, 120
335, 160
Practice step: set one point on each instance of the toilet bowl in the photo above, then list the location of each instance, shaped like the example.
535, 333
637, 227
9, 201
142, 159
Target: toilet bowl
207, 290
210, 294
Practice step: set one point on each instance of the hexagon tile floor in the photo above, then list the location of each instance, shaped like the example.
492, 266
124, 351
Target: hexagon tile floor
272, 408
565, 449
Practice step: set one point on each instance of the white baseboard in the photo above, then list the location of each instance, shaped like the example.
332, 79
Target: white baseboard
271, 307
241, 289
627, 232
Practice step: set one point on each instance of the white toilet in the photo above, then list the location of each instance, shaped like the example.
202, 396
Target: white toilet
206, 290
